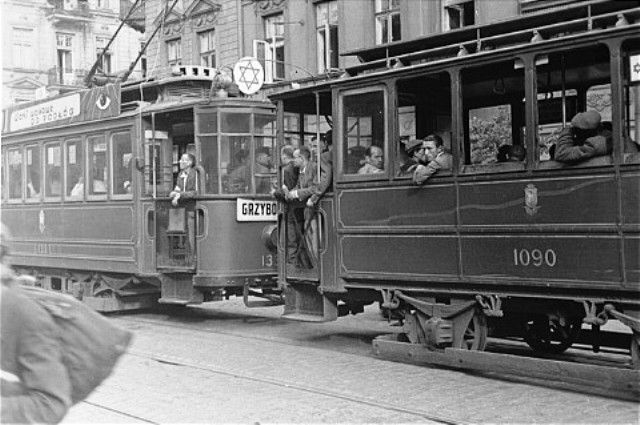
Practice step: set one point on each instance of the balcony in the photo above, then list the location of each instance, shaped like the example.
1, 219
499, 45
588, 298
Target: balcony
66, 79
74, 13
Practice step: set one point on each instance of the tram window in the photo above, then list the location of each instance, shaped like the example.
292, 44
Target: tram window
571, 82
209, 161
292, 129
207, 122
231, 122
424, 108
33, 172
74, 176
364, 138
53, 170
15, 173
235, 167
97, 165
631, 109
264, 169
494, 108
122, 160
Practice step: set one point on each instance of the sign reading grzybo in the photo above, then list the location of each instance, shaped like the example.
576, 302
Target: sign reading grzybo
256, 210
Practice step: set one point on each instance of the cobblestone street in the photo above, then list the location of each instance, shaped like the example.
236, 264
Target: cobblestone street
202, 374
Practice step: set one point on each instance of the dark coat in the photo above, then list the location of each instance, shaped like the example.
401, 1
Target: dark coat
570, 149
189, 185
31, 352
290, 175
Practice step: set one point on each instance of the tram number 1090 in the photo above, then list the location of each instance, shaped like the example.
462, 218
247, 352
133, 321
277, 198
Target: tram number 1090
535, 257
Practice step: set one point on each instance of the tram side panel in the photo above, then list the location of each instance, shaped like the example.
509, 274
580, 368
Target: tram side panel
232, 252
631, 227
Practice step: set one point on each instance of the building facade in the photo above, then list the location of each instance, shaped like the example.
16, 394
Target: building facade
51, 45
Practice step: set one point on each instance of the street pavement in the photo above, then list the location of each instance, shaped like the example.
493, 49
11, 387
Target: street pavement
224, 364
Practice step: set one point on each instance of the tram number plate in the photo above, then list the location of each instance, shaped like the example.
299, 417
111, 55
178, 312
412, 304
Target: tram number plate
534, 257
268, 260
42, 248
256, 210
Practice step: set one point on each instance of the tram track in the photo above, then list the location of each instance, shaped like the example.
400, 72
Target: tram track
584, 386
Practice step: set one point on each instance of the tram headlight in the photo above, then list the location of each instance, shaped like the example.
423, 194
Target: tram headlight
270, 237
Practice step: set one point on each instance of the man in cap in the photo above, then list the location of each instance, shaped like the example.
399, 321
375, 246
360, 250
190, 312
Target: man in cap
586, 138
438, 157
35, 384
415, 153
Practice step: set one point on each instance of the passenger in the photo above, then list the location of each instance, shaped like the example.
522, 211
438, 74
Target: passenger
517, 153
326, 168
305, 186
374, 161
78, 189
35, 385
289, 172
415, 151
187, 182
262, 170
240, 177
437, 157
586, 138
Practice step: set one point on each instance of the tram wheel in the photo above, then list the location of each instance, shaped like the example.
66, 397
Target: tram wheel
551, 333
475, 335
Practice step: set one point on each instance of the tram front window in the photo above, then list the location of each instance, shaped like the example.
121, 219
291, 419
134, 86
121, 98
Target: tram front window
265, 144
493, 100
235, 167
363, 129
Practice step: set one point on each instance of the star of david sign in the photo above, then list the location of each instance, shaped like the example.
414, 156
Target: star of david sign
634, 67
248, 74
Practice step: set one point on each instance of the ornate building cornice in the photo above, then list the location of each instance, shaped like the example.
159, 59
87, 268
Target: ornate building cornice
265, 7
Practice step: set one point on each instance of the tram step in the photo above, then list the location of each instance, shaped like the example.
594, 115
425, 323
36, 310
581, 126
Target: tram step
301, 317
601, 380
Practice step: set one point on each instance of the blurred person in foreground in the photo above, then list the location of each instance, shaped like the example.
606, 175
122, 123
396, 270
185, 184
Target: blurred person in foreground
35, 385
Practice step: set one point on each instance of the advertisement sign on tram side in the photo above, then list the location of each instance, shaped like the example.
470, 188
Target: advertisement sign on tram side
256, 210
93, 104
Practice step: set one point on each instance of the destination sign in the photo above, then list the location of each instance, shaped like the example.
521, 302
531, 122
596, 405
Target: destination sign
46, 112
256, 210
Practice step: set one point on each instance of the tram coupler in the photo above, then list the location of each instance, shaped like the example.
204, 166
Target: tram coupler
270, 300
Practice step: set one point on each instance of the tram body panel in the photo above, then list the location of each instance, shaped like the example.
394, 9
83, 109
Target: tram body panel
231, 249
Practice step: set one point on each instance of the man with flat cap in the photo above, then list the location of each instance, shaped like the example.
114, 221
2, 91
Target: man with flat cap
415, 151
586, 138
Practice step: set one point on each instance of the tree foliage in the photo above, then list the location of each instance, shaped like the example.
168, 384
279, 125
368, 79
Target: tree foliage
487, 134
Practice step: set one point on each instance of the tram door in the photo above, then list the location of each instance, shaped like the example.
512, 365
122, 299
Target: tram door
175, 224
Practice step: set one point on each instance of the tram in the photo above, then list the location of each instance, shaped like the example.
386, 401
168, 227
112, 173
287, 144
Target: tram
532, 248
86, 184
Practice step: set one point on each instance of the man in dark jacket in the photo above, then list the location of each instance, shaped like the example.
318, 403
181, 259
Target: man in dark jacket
586, 138
35, 385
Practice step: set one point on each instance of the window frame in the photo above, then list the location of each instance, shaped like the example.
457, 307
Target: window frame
20, 149
45, 145
111, 150
339, 141
211, 53
177, 61
40, 196
324, 61
89, 168
81, 154
386, 15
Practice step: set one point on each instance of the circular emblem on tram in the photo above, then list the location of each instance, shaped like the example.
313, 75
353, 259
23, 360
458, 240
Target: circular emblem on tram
531, 199
103, 101
248, 74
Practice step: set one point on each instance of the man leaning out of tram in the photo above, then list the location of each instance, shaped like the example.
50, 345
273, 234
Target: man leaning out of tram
586, 138
438, 159
415, 156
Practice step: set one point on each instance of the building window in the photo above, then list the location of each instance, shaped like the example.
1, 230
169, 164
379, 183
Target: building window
207, 41
105, 61
143, 61
274, 36
64, 43
327, 35
22, 48
387, 21
174, 52
458, 14
103, 4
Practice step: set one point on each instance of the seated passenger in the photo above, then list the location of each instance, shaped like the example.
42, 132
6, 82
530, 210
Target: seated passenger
240, 177
78, 189
262, 169
586, 138
415, 151
373, 161
438, 158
